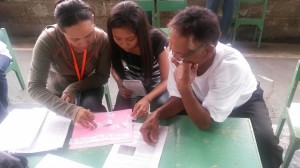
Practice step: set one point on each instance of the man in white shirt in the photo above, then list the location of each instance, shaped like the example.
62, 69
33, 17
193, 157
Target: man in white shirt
5, 59
210, 82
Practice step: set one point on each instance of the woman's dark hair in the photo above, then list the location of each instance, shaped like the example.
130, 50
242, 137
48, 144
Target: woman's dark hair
128, 14
197, 22
69, 12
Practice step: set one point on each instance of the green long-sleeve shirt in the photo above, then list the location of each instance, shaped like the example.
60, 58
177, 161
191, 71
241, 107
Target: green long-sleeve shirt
52, 70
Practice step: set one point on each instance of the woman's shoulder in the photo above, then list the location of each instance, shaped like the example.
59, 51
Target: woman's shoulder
159, 40
50, 30
50, 35
100, 32
157, 34
50, 41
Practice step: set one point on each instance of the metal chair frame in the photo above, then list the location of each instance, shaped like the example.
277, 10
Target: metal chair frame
258, 22
14, 64
291, 115
148, 5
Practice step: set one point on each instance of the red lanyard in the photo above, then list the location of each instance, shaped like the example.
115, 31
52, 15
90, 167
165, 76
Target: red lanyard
79, 75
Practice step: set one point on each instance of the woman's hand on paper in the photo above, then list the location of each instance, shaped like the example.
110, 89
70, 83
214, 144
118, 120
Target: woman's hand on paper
141, 108
149, 129
124, 92
86, 119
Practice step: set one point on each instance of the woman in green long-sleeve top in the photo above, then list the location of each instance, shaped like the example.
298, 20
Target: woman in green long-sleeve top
71, 63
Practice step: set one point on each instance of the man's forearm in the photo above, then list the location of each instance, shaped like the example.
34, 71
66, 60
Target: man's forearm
199, 114
172, 107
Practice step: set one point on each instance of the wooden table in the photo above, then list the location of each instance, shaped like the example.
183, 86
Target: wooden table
225, 145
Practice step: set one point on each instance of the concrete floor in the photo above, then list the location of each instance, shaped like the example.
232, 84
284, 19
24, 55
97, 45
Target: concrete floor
273, 65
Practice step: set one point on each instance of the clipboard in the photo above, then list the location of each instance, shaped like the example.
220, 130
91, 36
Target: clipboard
136, 86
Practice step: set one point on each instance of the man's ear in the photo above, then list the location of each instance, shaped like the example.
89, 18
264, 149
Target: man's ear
210, 49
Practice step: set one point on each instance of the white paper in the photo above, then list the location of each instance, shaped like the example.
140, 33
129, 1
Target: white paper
20, 127
136, 86
33, 130
53, 161
138, 153
52, 135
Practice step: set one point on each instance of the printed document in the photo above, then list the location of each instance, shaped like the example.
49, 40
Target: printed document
138, 153
136, 86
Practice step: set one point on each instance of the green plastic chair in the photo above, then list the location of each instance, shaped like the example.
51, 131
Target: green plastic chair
258, 22
168, 6
107, 97
13, 65
291, 114
148, 5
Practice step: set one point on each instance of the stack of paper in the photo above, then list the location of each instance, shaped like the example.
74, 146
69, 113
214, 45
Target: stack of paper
33, 130
112, 127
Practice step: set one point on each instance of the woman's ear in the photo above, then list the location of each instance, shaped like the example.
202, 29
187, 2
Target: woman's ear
93, 17
61, 30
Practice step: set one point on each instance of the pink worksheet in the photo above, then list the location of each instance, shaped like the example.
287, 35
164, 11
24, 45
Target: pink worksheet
112, 127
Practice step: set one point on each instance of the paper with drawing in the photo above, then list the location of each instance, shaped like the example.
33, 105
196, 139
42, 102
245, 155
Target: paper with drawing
112, 127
